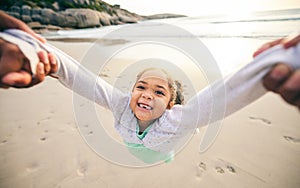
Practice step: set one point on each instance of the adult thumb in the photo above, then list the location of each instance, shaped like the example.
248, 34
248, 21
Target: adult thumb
17, 79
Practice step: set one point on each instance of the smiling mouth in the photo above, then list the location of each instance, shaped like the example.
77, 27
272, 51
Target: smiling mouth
147, 107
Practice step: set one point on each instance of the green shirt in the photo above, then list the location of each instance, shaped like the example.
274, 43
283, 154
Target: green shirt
145, 154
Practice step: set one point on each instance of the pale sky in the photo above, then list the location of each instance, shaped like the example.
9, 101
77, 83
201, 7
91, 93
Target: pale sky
202, 7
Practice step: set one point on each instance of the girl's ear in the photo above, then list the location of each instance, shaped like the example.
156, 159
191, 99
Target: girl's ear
170, 105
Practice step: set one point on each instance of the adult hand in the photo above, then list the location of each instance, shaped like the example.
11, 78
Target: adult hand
287, 42
15, 68
282, 79
9, 22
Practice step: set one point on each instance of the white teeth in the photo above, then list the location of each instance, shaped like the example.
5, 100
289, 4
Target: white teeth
145, 106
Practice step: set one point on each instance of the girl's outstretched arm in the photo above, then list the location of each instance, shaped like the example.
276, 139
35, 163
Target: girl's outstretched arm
70, 72
228, 95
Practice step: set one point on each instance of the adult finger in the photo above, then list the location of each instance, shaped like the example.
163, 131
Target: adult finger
53, 63
273, 80
23, 79
291, 41
290, 90
35, 35
266, 46
22, 26
43, 56
39, 76
11, 58
10, 22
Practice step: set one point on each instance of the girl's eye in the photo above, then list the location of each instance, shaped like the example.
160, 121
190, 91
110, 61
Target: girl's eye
160, 93
140, 87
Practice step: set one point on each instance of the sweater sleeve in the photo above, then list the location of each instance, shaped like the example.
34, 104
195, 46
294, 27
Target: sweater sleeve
70, 73
232, 93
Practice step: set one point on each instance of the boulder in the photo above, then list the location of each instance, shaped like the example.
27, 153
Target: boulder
36, 25
36, 15
47, 16
26, 13
70, 20
26, 18
37, 18
36, 11
15, 12
26, 10
127, 19
15, 9
58, 19
104, 18
85, 17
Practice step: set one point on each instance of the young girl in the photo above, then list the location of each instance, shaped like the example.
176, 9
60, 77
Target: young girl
149, 120
153, 93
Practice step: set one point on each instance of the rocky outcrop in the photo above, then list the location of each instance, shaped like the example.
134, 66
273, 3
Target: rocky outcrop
51, 19
65, 14
73, 17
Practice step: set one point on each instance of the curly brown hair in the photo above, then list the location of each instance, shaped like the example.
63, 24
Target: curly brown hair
174, 85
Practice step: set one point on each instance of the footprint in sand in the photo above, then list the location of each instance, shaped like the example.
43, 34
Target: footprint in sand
32, 167
103, 75
89, 132
43, 139
219, 170
82, 169
225, 166
292, 139
222, 168
230, 169
265, 121
201, 167
44, 119
3, 142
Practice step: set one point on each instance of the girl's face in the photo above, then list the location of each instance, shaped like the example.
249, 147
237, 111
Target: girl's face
150, 96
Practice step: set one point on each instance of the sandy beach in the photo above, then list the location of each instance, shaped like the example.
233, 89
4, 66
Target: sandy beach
40, 145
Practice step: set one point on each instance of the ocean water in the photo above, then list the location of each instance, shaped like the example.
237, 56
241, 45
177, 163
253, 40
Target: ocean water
265, 25
231, 39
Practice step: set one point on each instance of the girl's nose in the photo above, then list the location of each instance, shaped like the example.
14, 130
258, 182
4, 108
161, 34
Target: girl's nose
147, 95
